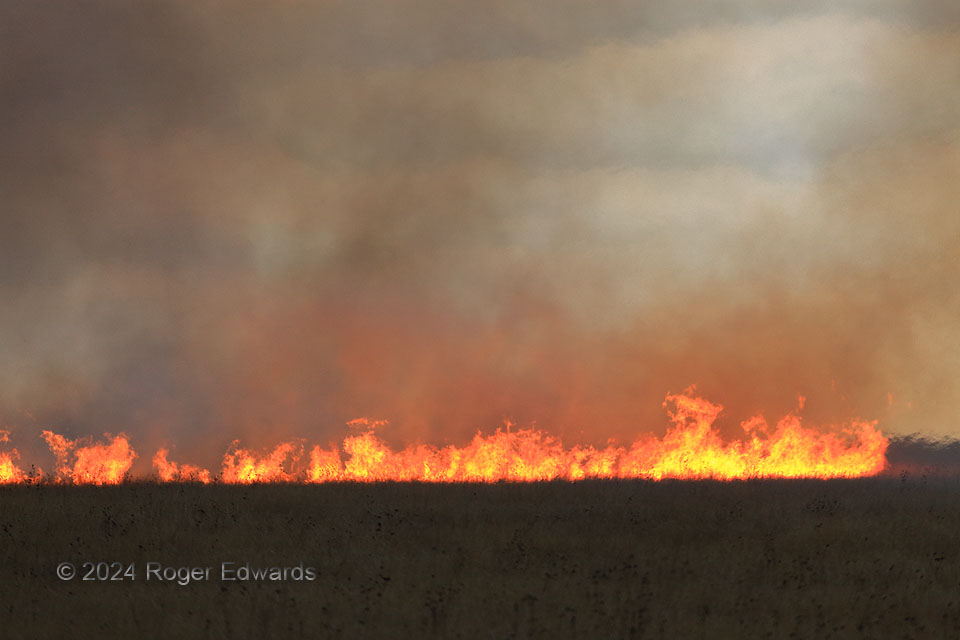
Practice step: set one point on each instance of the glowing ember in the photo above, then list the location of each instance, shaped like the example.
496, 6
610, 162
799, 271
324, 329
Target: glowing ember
367, 424
691, 449
91, 464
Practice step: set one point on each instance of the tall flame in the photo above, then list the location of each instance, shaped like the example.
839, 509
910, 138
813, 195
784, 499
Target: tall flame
9, 471
91, 464
692, 448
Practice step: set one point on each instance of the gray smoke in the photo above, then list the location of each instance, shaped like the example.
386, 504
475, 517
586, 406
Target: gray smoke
259, 220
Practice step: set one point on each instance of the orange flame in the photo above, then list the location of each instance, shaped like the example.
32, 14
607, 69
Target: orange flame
367, 423
172, 472
691, 449
245, 467
9, 471
91, 464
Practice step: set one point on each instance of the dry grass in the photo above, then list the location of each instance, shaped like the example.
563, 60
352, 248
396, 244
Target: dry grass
870, 558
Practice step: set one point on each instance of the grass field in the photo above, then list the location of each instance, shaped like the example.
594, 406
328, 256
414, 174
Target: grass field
866, 558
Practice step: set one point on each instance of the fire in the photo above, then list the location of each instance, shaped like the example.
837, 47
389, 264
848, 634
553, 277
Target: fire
366, 424
245, 467
9, 471
173, 472
91, 464
692, 448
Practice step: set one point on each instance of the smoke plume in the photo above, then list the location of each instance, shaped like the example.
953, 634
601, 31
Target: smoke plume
259, 220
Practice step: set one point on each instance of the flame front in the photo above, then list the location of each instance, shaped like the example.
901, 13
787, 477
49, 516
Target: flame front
691, 449
91, 464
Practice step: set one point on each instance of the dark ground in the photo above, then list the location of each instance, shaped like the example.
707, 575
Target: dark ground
875, 558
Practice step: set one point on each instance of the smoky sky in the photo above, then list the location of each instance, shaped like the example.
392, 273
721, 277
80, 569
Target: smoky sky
259, 220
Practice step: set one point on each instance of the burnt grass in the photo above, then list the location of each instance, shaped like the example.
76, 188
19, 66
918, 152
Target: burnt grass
828, 559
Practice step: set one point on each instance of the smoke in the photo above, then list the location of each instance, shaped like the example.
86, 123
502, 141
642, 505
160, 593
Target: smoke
920, 456
260, 220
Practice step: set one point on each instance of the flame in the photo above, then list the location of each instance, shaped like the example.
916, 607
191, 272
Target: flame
367, 423
9, 471
245, 467
91, 464
172, 472
692, 448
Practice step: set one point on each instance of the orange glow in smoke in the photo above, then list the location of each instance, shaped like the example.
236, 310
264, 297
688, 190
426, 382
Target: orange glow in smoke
692, 448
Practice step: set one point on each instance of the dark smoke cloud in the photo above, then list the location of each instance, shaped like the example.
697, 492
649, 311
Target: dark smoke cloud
917, 456
259, 220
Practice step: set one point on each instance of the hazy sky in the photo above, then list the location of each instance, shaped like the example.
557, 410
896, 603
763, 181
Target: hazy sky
261, 219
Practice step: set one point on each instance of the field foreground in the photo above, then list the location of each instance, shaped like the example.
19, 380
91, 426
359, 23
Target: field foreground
844, 558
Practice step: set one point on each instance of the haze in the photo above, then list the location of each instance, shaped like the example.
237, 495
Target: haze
259, 220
